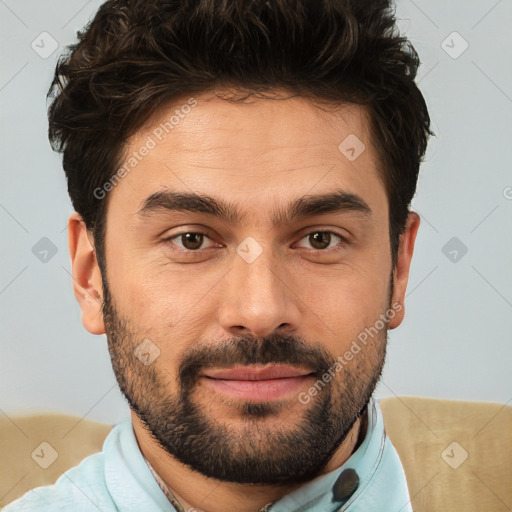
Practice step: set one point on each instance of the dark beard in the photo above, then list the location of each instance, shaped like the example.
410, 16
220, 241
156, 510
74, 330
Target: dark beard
257, 452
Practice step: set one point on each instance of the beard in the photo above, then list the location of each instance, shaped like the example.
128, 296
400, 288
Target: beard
270, 443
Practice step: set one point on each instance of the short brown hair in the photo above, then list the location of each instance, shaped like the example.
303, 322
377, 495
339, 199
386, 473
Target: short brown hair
136, 55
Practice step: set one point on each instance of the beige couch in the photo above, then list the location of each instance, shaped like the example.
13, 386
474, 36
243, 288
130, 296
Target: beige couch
457, 455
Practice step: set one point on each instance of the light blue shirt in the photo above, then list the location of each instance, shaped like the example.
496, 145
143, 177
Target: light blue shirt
117, 479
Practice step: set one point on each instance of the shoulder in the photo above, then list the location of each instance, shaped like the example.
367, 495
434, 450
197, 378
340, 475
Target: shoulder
81, 488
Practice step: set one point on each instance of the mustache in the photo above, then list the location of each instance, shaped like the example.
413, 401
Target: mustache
246, 350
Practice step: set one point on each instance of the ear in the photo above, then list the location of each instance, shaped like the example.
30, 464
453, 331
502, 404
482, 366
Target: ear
86, 274
403, 263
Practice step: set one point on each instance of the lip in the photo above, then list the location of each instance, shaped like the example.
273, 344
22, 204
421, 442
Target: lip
257, 383
257, 372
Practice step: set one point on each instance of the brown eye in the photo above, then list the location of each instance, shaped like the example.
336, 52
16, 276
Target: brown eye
188, 242
192, 241
320, 239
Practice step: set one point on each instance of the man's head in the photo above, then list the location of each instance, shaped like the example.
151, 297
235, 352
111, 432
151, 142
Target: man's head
242, 174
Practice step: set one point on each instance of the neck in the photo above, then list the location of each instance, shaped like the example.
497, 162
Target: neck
196, 491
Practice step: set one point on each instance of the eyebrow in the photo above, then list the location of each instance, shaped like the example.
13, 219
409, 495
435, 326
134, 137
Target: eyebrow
338, 201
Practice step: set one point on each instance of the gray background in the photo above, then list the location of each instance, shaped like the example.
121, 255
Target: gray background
455, 341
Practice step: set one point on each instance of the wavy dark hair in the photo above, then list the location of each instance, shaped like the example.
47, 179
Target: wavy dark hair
136, 55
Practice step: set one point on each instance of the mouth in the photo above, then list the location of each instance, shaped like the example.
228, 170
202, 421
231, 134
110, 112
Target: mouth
257, 382
258, 372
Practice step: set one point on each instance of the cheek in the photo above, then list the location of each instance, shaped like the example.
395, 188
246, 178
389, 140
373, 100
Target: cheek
343, 302
144, 289
167, 305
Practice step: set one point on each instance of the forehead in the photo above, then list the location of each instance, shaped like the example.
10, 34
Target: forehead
253, 124
256, 152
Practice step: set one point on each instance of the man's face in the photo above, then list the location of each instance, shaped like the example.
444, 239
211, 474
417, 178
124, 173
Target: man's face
267, 288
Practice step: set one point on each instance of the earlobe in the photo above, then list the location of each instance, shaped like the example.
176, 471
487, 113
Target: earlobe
86, 274
403, 264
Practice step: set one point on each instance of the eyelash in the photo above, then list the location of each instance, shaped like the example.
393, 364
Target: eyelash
343, 240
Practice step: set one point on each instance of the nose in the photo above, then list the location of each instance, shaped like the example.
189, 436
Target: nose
259, 298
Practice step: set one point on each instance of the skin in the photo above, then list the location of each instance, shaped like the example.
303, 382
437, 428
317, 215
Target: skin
261, 155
